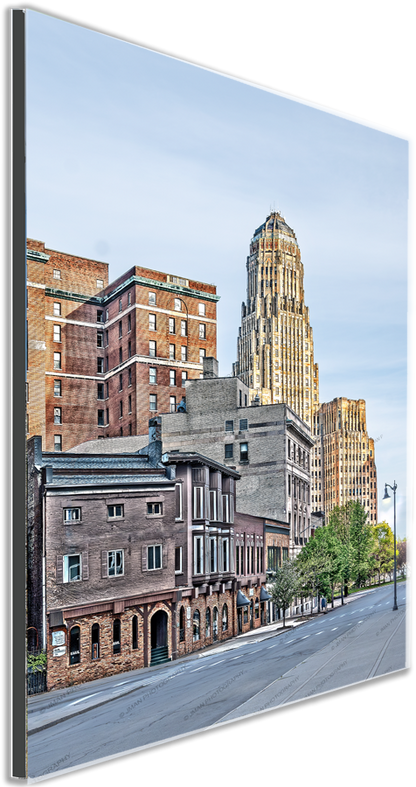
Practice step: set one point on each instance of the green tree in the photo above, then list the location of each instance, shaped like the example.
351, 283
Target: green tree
361, 543
340, 521
285, 586
401, 550
383, 549
314, 566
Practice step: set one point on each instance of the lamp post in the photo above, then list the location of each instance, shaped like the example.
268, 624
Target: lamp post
386, 496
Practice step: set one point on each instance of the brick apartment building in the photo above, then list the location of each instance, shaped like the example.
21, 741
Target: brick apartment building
103, 358
269, 446
133, 559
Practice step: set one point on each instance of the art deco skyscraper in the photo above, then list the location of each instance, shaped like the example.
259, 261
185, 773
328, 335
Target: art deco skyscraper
343, 465
275, 342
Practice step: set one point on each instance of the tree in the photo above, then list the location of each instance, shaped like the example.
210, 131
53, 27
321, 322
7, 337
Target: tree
340, 520
314, 565
383, 549
285, 586
361, 542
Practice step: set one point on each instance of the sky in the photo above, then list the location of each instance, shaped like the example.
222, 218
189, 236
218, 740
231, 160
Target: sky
134, 157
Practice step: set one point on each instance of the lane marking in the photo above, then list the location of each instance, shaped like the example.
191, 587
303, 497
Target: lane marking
318, 633
236, 657
198, 668
215, 662
271, 646
334, 628
307, 635
84, 698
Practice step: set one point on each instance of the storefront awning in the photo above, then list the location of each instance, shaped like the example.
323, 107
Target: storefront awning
242, 600
264, 595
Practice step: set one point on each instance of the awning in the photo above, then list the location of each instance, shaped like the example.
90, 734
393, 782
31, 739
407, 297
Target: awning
264, 595
242, 600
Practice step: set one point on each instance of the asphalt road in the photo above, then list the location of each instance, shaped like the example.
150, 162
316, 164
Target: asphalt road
101, 719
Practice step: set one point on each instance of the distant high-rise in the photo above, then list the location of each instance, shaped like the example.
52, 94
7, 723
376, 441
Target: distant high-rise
343, 466
275, 342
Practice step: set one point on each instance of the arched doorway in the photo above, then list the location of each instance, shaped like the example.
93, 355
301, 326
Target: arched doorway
159, 637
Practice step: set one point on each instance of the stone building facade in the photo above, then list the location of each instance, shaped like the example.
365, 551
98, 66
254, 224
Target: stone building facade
268, 445
343, 464
139, 559
103, 358
275, 343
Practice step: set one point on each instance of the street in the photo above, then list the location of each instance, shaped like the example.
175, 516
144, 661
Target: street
355, 642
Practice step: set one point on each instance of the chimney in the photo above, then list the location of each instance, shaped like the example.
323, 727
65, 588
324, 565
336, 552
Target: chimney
210, 368
155, 440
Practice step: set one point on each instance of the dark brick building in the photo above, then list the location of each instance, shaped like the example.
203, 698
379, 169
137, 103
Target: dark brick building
103, 358
139, 558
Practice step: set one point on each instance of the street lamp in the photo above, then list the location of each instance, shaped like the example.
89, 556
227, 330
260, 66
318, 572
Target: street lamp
386, 496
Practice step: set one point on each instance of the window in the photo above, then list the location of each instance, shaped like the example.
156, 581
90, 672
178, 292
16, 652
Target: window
57, 388
120, 329
106, 315
178, 501
72, 568
129, 350
100, 418
100, 339
182, 625
57, 361
178, 560
95, 641
100, 365
208, 623
106, 338
117, 636
172, 404
57, 442
120, 382
134, 630
152, 375
243, 452
129, 298
225, 618
243, 424
115, 562
229, 426
120, 355
120, 409
100, 284
184, 328
202, 355
184, 353
213, 556
56, 273
172, 377
57, 309
154, 509
198, 502
115, 511
226, 508
201, 309
228, 451
107, 412
100, 315
172, 325
120, 305
128, 323
154, 557
152, 349
196, 626
198, 554
72, 514
171, 352
129, 376
178, 306
184, 378
213, 505
152, 299
74, 645
202, 330
273, 558
152, 322
225, 554
57, 415
153, 402
129, 401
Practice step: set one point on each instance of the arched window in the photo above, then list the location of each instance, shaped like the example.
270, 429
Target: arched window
257, 608
215, 624
197, 619
95, 641
74, 646
208, 623
116, 636
225, 618
182, 625
134, 633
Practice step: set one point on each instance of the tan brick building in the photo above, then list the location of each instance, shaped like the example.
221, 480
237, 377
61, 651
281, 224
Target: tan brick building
275, 343
103, 358
343, 464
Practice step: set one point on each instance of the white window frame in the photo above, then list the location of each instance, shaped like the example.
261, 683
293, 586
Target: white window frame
213, 546
112, 556
57, 441
225, 504
184, 353
57, 361
199, 566
180, 517
57, 414
57, 309
100, 284
202, 354
152, 299
57, 385
73, 514
152, 322
225, 554
184, 328
114, 515
151, 550
178, 305
56, 273
153, 506
201, 309
198, 508
152, 375
172, 326
202, 330
67, 568
172, 404
152, 349
213, 515
178, 570
172, 352
153, 403
172, 377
